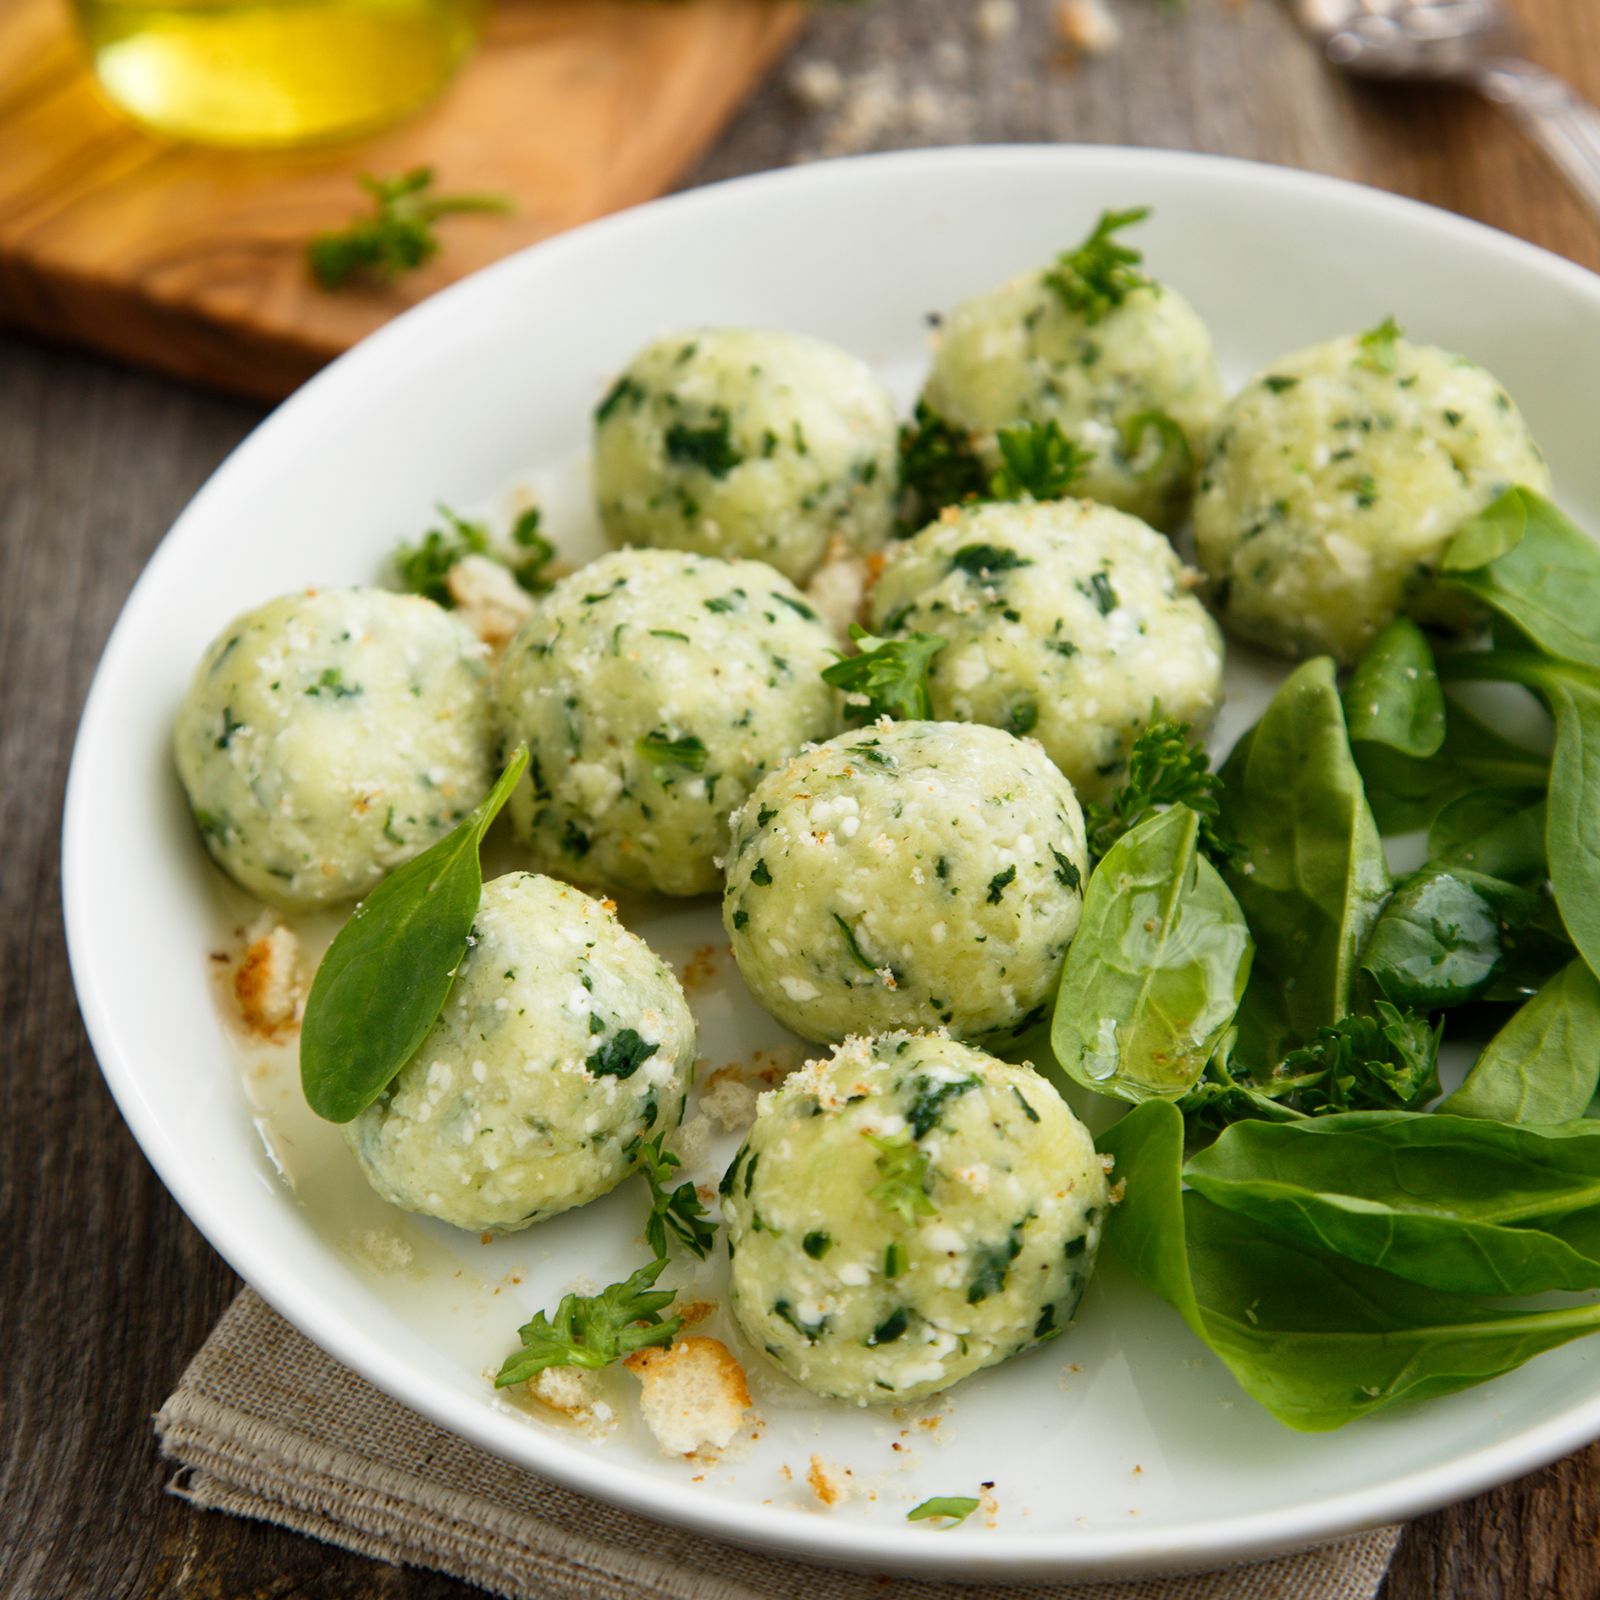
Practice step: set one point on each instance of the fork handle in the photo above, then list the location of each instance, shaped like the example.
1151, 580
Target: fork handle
1564, 125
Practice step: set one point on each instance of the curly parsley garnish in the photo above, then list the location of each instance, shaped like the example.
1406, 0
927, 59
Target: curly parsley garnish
1037, 462
595, 1330
939, 467
399, 235
1164, 769
1101, 273
889, 678
424, 567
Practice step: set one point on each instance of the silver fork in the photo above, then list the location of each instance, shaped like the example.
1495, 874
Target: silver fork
1470, 42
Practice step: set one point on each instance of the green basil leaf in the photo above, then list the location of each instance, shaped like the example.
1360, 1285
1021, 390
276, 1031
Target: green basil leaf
1544, 1065
386, 976
1311, 877
1157, 967
1318, 1340
1531, 565
1393, 697
1451, 1202
1445, 934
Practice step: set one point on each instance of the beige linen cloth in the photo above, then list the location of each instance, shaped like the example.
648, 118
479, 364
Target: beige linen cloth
264, 1424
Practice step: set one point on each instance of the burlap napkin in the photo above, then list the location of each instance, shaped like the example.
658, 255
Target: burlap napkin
264, 1424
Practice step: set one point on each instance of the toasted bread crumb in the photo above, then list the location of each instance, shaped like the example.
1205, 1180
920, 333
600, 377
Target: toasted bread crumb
702, 967
266, 983
577, 1393
693, 1395
488, 599
831, 1485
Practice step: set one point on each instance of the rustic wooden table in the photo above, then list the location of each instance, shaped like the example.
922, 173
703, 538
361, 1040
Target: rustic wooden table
105, 1289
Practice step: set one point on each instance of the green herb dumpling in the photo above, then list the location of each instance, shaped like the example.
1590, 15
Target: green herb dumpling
655, 689
1122, 363
1338, 476
564, 1044
331, 735
1065, 620
737, 442
913, 874
909, 1212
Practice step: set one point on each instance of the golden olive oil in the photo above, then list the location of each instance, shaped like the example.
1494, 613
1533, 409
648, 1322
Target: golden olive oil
263, 73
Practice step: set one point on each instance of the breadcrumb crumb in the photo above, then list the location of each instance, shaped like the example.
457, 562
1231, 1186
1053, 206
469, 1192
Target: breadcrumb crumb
489, 600
267, 985
693, 1394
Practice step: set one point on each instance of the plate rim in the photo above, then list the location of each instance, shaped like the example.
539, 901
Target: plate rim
1243, 1537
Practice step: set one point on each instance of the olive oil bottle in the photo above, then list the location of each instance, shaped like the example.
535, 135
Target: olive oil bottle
264, 74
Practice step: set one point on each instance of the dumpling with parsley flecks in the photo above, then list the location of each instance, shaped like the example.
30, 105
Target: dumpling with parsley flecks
1065, 620
739, 442
655, 689
329, 736
911, 874
1338, 477
564, 1044
1121, 363
909, 1212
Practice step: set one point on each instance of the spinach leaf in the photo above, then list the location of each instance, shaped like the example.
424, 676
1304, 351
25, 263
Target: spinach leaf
1544, 1064
1496, 831
1157, 967
1532, 566
1393, 697
1318, 1340
1408, 792
1451, 1202
1572, 693
1311, 875
1445, 935
386, 976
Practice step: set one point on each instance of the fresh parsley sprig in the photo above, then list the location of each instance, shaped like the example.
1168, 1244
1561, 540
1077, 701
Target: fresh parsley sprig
424, 567
399, 235
1037, 462
1102, 272
939, 467
594, 1330
677, 1209
1164, 769
892, 675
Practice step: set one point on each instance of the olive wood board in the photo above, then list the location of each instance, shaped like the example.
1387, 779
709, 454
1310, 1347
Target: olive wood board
192, 260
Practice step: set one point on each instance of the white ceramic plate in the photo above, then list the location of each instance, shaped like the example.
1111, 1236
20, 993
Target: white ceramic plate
1120, 1449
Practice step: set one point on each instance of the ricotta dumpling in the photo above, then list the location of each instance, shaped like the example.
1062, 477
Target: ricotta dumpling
1338, 476
1066, 620
655, 689
331, 735
908, 1212
736, 442
565, 1042
1135, 381
907, 875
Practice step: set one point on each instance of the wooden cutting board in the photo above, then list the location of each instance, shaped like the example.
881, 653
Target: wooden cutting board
193, 260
